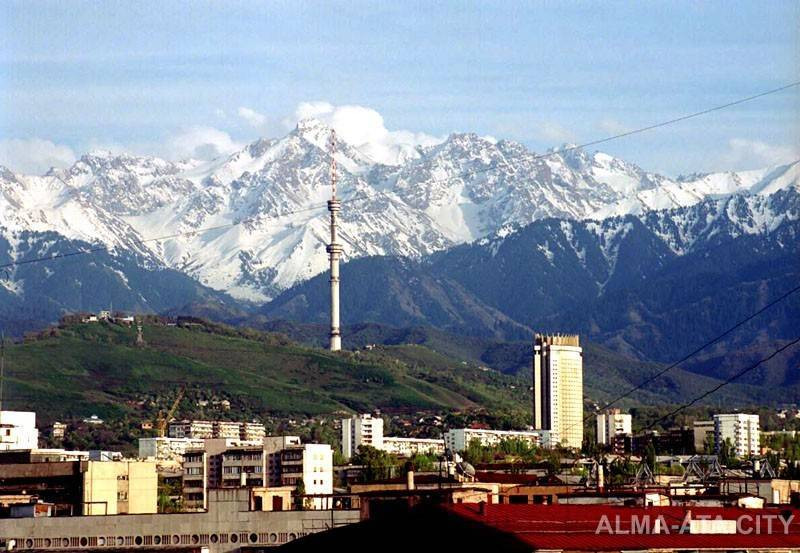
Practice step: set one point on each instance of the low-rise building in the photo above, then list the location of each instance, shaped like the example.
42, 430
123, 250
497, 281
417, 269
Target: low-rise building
458, 439
59, 430
408, 447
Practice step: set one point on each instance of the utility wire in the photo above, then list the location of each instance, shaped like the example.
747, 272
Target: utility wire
688, 356
361, 196
627, 133
724, 383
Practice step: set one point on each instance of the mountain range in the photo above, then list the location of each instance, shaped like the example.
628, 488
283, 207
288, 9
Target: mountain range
472, 235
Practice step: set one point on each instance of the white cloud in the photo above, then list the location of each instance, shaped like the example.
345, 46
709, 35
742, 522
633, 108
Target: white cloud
34, 156
201, 143
752, 154
251, 117
612, 126
364, 128
553, 132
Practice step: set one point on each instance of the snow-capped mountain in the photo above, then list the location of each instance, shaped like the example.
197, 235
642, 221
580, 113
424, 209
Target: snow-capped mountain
460, 190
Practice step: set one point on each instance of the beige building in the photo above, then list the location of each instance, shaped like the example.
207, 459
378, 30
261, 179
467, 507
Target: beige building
120, 487
558, 388
203, 430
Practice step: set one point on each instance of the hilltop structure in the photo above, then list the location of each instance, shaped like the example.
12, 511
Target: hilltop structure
558, 388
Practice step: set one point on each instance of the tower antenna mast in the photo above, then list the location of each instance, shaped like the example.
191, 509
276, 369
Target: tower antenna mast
334, 250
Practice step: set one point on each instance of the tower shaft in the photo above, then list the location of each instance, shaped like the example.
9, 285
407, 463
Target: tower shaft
334, 250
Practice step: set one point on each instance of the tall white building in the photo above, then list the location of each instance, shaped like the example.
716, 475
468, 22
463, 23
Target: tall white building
613, 424
361, 430
18, 430
558, 388
741, 429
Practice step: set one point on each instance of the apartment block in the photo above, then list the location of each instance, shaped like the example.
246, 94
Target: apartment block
703, 433
741, 429
408, 447
359, 430
203, 430
458, 439
612, 428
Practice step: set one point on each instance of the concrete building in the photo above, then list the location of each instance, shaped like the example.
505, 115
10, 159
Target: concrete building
741, 429
279, 461
85, 487
203, 430
458, 439
703, 433
558, 388
231, 524
612, 428
120, 487
359, 430
167, 449
18, 430
408, 447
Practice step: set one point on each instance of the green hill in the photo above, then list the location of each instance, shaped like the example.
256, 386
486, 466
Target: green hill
81, 369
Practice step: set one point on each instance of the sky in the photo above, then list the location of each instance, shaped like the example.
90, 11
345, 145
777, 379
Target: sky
180, 79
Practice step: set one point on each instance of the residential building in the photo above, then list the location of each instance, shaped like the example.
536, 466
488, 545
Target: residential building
279, 461
558, 388
703, 434
203, 430
361, 430
167, 449
408, 447
59, 430
18, 430
196, 429
612, 427
458, 439
741, 429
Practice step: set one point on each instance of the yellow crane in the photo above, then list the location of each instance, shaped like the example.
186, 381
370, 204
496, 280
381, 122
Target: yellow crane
163, 419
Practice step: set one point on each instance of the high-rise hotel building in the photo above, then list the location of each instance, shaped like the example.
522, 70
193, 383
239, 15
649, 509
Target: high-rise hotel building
558, 388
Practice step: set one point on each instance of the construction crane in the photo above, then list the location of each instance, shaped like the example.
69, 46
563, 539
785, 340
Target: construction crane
161, 423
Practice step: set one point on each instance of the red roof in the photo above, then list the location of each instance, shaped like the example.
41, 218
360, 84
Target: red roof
612, 528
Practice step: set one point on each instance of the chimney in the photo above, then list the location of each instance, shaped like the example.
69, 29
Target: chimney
410, 480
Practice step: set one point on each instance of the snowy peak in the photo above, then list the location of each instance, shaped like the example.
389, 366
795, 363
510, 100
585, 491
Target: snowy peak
266, 202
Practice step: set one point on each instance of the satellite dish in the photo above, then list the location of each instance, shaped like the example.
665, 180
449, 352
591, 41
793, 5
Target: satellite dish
466, 469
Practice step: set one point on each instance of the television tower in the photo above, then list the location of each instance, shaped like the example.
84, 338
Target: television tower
334, 250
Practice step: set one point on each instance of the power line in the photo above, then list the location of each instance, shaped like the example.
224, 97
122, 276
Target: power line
724, 383
631, 132
689, 355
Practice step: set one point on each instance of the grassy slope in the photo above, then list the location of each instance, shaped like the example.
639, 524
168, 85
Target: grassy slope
94, 369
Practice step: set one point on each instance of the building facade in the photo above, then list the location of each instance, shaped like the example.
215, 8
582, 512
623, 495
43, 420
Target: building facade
741, 429
558, 388
703, 434
361, 430
18, 430
408, 447
204, 430
457, 439
612, 427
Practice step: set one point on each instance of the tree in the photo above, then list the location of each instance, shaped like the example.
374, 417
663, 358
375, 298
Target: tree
299, 495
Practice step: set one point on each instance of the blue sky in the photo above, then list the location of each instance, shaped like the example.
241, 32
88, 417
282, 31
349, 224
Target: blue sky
151, 78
